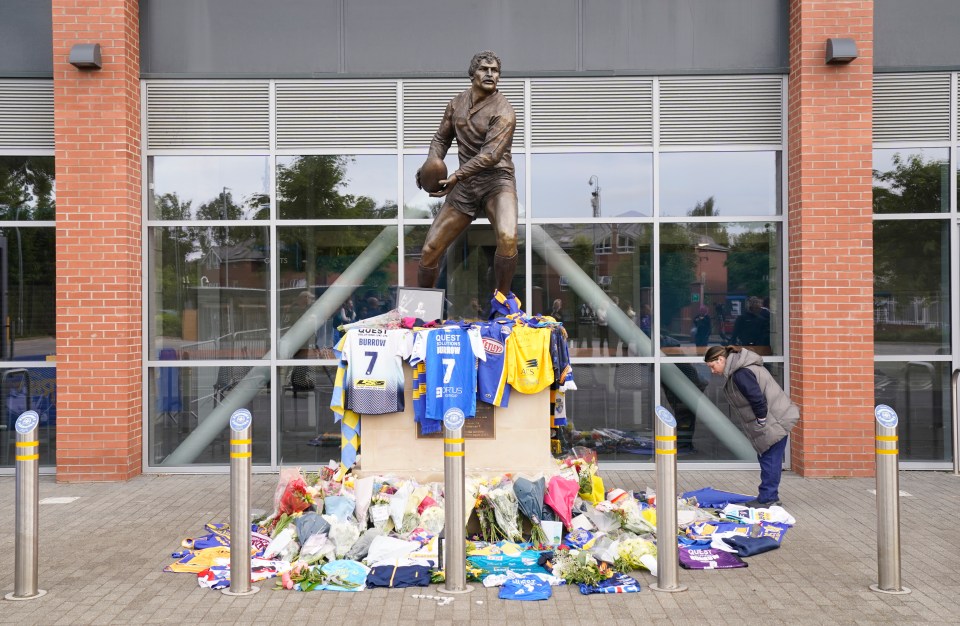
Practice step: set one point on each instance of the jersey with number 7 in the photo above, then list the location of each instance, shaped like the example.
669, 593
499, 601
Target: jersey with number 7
450, 355
375, 369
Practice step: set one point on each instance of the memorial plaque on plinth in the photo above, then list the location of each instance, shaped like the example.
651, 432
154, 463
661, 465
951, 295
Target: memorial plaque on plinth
480, 426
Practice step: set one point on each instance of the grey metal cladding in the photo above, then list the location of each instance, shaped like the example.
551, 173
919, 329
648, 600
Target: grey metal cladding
439, 36
912, 107
26, 38
26, 114
655, 36
239, 37
916, 35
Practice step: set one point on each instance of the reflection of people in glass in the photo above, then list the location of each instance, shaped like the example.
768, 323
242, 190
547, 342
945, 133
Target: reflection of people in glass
762, 410
556, 311
346, 314
645, 320
603, 333
752, 328
585, 323
686, 416
483, 121
702, 327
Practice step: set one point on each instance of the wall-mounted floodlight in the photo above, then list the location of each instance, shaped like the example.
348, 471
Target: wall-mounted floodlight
841, 50
85, 56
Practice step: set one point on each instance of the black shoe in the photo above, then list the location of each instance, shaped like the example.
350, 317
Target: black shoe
757, 504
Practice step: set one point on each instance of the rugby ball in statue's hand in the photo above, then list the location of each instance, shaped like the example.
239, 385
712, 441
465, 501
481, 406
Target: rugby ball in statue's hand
432, 172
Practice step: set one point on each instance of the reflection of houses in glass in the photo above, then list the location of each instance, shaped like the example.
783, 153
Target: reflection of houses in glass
606, 252
241, 265
710, 287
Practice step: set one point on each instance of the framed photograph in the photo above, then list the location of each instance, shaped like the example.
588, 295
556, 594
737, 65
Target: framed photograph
427, 304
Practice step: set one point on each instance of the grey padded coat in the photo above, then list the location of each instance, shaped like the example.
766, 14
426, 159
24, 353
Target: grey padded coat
782, 414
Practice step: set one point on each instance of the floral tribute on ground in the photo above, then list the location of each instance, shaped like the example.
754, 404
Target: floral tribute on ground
333, 531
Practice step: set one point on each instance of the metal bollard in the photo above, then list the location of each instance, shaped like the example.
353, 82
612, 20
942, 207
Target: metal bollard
955, 397
454, 526
668, 558
241, 444
26, 552
888, 503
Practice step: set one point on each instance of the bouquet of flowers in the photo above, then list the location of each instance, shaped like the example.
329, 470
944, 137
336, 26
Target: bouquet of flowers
307, 578
560, 495
584, 461
579, 566
506, 510
343, 534
529, 496
630, 551
432, 519
379, 510
628, 511
489, 531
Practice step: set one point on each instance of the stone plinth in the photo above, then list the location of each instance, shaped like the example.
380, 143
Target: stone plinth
389, 443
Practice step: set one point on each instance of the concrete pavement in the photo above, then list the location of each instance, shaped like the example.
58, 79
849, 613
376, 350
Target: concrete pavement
102, 555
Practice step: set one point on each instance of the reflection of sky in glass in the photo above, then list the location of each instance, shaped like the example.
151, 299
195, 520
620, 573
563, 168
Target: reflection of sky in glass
741, 183
370, 175
201, 179
561, 188
417, 202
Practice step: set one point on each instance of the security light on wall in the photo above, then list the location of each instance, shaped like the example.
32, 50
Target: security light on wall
85, 56
841, 50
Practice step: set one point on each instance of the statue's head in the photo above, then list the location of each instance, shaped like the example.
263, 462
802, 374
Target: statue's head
486, 55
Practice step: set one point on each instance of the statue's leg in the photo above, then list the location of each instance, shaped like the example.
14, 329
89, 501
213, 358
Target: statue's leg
447, 227
501, 209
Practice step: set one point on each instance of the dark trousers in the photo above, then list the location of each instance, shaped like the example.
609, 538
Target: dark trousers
771, 466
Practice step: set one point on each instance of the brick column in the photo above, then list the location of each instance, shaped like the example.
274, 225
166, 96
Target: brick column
831, 239
99, 345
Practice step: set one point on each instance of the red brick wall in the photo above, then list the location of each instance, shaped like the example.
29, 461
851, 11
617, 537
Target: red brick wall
97, 128
831, 240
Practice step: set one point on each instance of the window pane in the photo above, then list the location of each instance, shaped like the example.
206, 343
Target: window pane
466, 271
209, 188
911, 180
720, 283
28, 189
605, 293
920, 393
611, 412
719, 183
592, 185
911, 286
209, 292
311, 259
29, 389
337, 187
417, 204
31, 285
181, 398
307, 432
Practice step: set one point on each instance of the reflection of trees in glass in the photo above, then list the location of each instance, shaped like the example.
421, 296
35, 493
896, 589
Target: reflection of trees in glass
678, 261
748, 264
715, 230
908, 252
310, 187
26, 188
912, 186
27, 194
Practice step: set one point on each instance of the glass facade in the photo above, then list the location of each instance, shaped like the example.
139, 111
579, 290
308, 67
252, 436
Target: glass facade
914, 264
28, 300
648, 255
